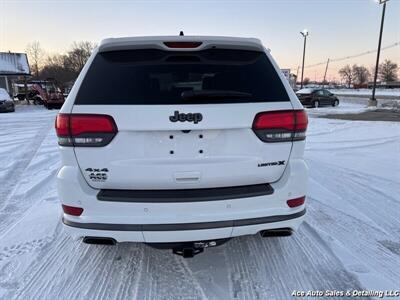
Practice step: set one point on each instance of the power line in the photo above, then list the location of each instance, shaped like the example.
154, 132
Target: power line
353, 56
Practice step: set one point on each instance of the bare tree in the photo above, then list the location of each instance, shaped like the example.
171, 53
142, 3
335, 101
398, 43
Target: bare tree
79, 54
35, 53
347, 75
56, 67
360, 74
306, 81
388, 71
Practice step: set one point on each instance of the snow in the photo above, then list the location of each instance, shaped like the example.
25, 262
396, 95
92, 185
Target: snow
349, 241
367, 92
305, 91
13, 63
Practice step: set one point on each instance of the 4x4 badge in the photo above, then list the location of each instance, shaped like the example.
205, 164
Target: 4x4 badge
97, 174
182, 117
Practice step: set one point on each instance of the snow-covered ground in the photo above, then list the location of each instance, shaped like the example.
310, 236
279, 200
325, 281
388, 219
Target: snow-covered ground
367, 92
350, 240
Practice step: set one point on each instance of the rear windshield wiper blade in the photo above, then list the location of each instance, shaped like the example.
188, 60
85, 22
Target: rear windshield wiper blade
217, 94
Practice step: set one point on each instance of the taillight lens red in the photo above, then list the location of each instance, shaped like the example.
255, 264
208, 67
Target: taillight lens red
62, 125
296, 202
184, 45
72, 210
281, 125
91, 123
85, 130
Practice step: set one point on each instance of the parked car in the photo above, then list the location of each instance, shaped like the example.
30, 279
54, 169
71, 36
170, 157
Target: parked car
181, 142
316, 97
47, 93
6, 103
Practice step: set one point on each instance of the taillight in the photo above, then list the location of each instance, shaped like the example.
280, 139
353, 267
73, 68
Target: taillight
281, 125
72, 210
182, 44
296, 202
85, 130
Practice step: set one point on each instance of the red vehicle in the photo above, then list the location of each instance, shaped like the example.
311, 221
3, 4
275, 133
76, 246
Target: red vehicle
47, 93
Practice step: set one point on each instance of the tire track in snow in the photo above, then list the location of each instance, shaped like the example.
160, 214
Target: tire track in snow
164, 278
246, 282
364, 223
377, 204
278, 266
360, 238
70, 269
185, 267
31, 173
15, 173
27, 193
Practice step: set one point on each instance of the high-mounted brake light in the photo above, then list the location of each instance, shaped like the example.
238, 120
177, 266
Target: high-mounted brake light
281, 125
72, 210
182, 44
296, 202
85, 130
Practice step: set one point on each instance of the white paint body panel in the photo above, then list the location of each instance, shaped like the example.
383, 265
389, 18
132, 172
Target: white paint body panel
139, 158
292, 184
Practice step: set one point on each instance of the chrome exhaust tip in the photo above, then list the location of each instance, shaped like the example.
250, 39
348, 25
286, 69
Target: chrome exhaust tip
94, 240
276, 232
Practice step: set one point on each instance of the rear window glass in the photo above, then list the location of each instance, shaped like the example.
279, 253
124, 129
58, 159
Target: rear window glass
174, 77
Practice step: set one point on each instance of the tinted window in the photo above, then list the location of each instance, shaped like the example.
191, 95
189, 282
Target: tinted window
161, 77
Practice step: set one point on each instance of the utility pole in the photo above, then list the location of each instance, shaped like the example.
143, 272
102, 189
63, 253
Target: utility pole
326, 70
373, 101
304, 33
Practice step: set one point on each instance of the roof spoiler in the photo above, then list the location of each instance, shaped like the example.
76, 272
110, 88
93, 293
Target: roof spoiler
161, 43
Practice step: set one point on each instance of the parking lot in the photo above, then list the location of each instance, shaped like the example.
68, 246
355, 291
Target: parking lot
349, 241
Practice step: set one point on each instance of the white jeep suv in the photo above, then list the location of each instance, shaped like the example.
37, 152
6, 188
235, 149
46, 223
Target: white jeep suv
181, 142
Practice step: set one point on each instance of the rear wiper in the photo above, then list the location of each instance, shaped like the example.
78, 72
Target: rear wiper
217, 94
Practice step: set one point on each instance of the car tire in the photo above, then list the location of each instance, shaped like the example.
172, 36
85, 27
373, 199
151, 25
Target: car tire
335, 103
316, 104
37, 101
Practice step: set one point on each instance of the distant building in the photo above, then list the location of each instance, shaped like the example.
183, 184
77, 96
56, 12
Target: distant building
291, 78
12, 66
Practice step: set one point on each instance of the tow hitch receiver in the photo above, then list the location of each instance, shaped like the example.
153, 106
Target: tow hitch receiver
191, 249
188, 249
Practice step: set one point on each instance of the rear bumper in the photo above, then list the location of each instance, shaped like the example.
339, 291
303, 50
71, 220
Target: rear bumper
184, 226
165, 222
179, 232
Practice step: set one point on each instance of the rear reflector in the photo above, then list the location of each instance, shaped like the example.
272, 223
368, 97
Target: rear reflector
184, 45
85, 130
281, 125
296, 202
71, 210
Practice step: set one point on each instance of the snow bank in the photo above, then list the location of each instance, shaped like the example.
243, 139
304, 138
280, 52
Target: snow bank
366, 92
